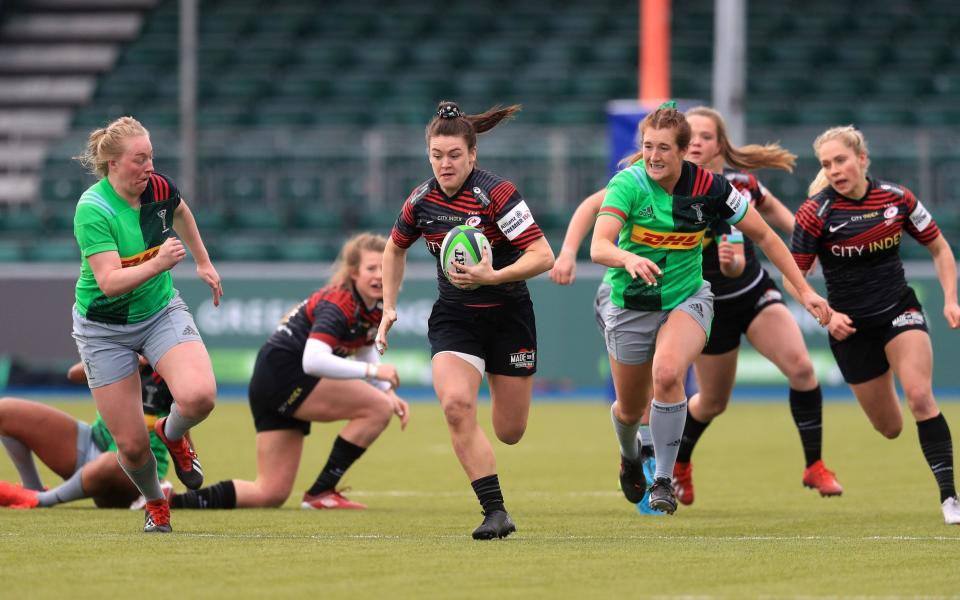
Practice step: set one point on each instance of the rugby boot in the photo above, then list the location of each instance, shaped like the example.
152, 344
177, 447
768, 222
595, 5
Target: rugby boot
17, 496
683, 482
662, 497
185, 461
649, 469
156, 517
951, 511
632, 482
165, 486
329, 499
496, 524
817, 476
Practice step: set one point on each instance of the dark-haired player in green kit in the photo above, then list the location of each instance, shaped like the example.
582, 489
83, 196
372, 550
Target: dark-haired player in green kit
649, 232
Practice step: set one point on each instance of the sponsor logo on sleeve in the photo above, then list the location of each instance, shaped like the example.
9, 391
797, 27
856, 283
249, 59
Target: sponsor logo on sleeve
736, 202
920, 218
516, 221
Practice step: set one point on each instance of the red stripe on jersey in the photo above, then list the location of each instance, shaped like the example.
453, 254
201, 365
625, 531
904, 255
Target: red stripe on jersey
804, 261
407, 213
502, 193
525, 239
926, 236
704, 180
613, 211
400, 240
467, 210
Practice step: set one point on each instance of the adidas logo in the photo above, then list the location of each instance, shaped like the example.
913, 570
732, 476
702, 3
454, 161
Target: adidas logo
646, 211
188, 330
697, 308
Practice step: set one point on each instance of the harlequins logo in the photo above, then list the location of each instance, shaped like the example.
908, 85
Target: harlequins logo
163, 219
699, 208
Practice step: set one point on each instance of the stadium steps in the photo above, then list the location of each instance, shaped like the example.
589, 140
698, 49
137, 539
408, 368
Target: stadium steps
51, 52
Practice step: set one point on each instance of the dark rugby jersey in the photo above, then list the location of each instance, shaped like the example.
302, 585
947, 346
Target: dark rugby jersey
858, 243
721, 285
156, 396
333, 315
486, 201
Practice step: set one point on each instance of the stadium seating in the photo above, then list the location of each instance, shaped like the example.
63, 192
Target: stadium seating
286, 104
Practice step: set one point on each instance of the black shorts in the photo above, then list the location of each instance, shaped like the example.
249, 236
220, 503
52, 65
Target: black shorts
733, 316
862, 356
278, 387
504, 336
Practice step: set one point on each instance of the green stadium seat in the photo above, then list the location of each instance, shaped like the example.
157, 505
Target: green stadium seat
11, 251
26, 221
210, 218
53, 250
257, 217
311, 249
316, 218
231, 249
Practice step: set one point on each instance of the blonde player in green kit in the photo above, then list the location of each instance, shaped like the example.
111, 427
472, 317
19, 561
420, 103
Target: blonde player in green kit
649, 232
126, 305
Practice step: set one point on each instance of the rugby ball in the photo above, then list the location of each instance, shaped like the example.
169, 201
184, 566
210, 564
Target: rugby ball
463, 245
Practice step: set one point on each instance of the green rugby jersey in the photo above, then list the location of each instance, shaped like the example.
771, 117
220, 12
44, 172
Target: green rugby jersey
104, 221
666, 229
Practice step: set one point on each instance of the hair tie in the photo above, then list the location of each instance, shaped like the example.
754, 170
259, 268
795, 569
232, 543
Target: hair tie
668, 104
449, 111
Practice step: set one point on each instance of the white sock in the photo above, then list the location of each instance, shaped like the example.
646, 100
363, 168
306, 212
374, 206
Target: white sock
22, 459
666, 425
627, 436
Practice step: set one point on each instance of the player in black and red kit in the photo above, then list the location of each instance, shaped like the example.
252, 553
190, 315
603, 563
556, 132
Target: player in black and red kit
747, 302
303, 374
489, 329
854, 225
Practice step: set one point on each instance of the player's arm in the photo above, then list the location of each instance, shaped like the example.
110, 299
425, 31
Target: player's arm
604, 251
186, 227
775, 213
731, 254
320, 361
946, 266
536, 258
114, 280
394, 264
564, 270
753, 225
370, 355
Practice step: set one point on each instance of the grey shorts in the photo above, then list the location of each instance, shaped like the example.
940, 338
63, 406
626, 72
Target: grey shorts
109, 352
631, 335
87, 451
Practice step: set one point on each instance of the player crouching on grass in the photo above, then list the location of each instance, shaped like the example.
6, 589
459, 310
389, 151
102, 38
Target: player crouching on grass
303, 374
85, 456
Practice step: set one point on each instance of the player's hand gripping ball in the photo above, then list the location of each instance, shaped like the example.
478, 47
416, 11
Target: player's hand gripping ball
463, 245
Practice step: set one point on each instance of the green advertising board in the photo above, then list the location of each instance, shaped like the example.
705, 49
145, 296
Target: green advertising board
571, 352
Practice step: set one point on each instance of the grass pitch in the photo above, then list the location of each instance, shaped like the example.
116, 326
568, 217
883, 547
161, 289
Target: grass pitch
753, 530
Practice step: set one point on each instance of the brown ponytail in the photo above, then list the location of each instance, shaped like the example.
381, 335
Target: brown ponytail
749, 157
450, 121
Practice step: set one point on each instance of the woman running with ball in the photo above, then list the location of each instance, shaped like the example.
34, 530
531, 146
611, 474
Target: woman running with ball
488, 329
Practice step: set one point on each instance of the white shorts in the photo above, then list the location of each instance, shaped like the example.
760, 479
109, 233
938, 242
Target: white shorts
631, 335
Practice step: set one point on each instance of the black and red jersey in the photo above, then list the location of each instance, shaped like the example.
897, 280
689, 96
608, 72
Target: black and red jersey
485, 201
724, 287
858, 244
334, 315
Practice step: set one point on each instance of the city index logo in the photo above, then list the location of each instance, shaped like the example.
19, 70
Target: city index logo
673, 240
136, 259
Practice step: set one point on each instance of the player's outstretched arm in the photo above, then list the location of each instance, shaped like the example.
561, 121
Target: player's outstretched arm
394, 264
946, 266
564, 271
186, 227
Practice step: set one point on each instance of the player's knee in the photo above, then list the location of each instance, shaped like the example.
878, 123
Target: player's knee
919, 399
712, 406
891, 431
133, 452
458, 410
198, 402
667, 378
273, 498
799, 370
512, 433
382, 411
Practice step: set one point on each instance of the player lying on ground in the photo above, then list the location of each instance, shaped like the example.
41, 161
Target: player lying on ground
85, 456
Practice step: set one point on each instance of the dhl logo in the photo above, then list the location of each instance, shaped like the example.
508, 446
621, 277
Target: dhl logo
673, 240
136, 259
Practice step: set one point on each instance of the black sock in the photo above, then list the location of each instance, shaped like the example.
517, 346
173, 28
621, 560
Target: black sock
488, 493
692, 430
937, 448
220, 495
646, 451
807, 410
342, 456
